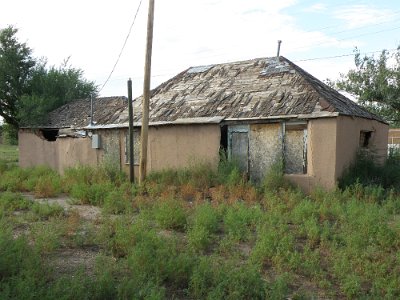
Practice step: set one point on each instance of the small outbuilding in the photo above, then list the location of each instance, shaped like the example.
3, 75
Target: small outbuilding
259, 111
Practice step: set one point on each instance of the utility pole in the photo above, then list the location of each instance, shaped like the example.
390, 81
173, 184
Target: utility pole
146, 95
130, 109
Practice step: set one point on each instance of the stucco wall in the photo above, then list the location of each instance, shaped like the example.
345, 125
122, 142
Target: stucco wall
321, 156
348, 139
34, 150
63, 153
169, 147
332, 146
177, 146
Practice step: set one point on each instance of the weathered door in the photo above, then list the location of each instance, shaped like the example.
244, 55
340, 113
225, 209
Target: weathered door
238, 146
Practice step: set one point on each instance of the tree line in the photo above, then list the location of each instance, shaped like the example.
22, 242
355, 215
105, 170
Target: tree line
375, 83
29, 88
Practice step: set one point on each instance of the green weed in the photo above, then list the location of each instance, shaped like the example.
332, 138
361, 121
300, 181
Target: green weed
170, 214
240, 221
203, 225
10, 202
93, 194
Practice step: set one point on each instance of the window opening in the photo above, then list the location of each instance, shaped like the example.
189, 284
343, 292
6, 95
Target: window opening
365, 138
295, 148
49, 135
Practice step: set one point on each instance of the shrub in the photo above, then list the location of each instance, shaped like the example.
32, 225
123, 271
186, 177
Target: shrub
4, 166
47, 236
215, 279
45, 211
48, 186
93, 194
228, 171
13, 180
170, 214
240, 221
10, 202
116, 202
367, 172
274, 179
203, 224
86, 175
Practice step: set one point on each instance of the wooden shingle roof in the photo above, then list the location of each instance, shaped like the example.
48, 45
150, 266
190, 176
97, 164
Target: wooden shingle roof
257, 88
106, 110
263, 88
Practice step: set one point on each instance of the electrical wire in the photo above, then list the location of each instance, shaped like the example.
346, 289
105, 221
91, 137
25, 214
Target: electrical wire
123, 47
347, 38
342, 55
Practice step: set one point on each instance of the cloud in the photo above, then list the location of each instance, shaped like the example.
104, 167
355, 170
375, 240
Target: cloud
316, 8
362, 15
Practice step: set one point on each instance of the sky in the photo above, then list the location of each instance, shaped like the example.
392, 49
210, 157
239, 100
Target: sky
319, 36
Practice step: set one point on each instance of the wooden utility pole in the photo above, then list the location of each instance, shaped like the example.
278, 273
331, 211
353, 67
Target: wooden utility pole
146, 95
130, 109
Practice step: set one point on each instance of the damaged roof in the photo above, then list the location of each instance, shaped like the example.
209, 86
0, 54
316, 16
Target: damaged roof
263, 88
76, 114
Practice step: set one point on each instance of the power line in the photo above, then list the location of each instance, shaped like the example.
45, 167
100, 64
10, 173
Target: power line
123, 47
347, 38
395, 13
339, 56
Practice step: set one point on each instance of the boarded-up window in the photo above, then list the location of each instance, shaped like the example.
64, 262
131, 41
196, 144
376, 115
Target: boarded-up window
136, 147
238, 145
265, 149
295, 149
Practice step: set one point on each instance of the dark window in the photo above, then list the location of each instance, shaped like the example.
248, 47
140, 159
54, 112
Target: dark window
365, 139
224, 138
49, 134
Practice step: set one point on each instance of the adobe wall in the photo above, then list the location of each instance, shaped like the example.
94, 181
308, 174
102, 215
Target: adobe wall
348, 140
34, 150
178, 146
332, 146
63, 153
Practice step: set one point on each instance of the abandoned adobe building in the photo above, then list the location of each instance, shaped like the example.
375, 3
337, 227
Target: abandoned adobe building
259, 111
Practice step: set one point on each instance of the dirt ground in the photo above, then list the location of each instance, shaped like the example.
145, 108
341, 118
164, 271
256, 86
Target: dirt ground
66, 261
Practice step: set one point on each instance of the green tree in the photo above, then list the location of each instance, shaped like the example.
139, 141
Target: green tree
16, 63
29, 89
51, 87
375, 82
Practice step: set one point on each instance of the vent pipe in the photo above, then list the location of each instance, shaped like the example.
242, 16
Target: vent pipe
279, 50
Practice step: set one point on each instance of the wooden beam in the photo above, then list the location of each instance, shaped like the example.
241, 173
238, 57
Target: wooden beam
146, 95
131, 158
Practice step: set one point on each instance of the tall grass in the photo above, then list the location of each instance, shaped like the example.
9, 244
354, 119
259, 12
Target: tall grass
204, 234
366, 171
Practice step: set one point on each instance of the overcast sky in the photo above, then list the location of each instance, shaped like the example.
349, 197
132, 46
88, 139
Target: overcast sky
200, 32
